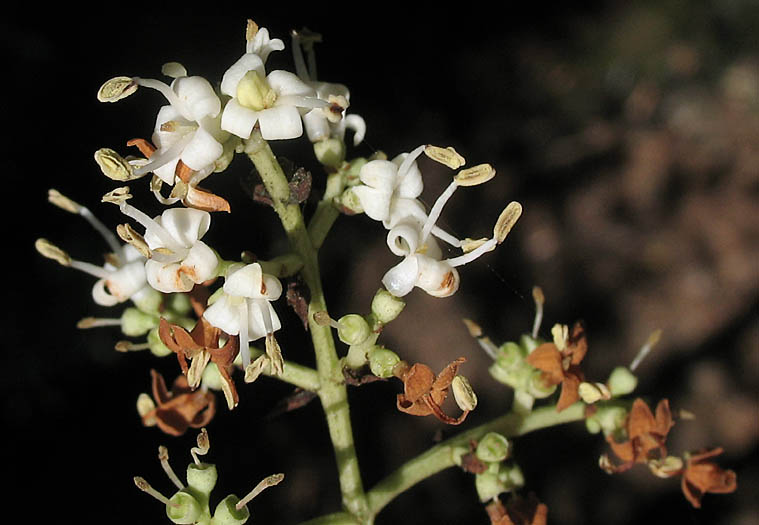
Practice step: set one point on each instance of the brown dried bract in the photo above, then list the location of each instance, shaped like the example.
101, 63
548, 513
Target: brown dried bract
202, 343
701, 476
646, 435
180, 408
562, 366
298, 297
518, 511
424, 393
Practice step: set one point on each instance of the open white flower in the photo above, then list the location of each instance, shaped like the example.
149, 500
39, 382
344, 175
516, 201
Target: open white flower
330, 121
121, 278
245, 309
178, 258
275, 102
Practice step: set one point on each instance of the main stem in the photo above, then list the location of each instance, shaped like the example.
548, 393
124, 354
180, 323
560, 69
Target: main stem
332, 392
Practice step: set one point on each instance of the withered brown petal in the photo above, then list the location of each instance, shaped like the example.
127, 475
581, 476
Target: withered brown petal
418, 381
577, 343
640, 420
547, 358
569, 390
663, 418
445, 377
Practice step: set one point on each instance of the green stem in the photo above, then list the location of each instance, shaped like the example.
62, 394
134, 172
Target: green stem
440, 456
332, 392
326, 213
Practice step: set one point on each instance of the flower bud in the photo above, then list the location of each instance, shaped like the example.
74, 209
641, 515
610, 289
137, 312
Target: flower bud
353, 329
157, 348
135, 322
511, 476
386, 307
202, 477
488, 485
463, 393
330, 152
537, 386
621, 382
227, 514
183, 508
493, 447
148, 300
349, 202
382, 361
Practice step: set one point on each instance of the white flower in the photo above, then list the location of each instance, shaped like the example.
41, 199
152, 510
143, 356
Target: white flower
179, 259
121, 278
276, 102
330, 121
245, 309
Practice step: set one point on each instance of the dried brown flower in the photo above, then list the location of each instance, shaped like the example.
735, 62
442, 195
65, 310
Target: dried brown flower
176, 410
518, 511
646, 435
701, 476
423, 393
561, 366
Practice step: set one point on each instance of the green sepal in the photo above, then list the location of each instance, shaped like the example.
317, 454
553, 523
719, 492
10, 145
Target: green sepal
183, 508
202, 477
227, 514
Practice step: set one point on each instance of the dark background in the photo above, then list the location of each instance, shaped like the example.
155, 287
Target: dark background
630, 135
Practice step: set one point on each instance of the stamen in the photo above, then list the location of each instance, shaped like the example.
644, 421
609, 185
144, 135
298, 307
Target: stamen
436, 210
51, 251
145, 487
507, 220
410, 158
95, 322
469, 245
475, 175
165, 90
256, 368
645, 349
446, 156
129, 346
485, 343
322, 318
130, 236
114, 166
161, 158
267, 482
204, 445
487, 246
244, 348
539, 298
63, 202
300, 64
447, 237
151, 225
163, 457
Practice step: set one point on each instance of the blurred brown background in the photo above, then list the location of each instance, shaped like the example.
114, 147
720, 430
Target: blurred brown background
629, 133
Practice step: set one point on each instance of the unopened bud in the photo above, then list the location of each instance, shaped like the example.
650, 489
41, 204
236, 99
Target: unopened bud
135, 322
386, 307
156, 346
621, 381
116, 88
446, 156
493, 447
349, 203
114, 166
488, 485
330, 152
506, 221
382, 361
463, 393
475, 175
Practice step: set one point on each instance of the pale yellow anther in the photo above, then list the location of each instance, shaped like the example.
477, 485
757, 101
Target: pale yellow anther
275, 355
446, 156
204, 445
593, 392
468, 245
560, 333
256, 368
130, 236
51, 251
322, 318
506, 221
605, 464
117, 196
145, 404
58, 199
463, 393
251, 30
114, 166
116, 89
667, 467
475, 175
473, 328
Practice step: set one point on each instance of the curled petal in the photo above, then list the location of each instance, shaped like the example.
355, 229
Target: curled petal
401, 278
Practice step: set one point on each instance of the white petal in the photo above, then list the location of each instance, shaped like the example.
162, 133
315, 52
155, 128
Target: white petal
202, 151
376, 203
245, 282
197, 97
185, 225
317, 125
273, 288
200, 264
224, 315
437, 278
401, 278
257, 310
234, 74
127, 280
403, 239
285, 83
280, 123
358, 125
405, 210
167, 278
238, 120
380, 174
102, 296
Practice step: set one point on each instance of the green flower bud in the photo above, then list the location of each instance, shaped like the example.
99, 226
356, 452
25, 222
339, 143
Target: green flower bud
202, 477
493, 447
511, 476
611, 419
183, 508
352, 329
227, 514
593, 426
528, 343
511, 355
488, 485
537, 387
330, 152
349, 202
179, 303
352, 169
621, 382
135, 322
149, 300
382, 361
458, 454
157, 348
386, 307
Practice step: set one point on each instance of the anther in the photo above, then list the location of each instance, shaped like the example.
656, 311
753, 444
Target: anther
116, 88
645, 349
267, 482
114, 166
446, 156
145, 487
51, 251
475, 175
204, 445
506, 221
